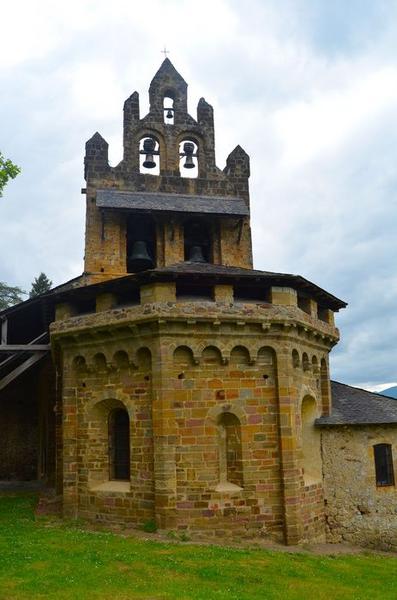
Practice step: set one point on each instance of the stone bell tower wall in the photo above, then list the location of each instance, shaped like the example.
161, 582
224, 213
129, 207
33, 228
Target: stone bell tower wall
106, 228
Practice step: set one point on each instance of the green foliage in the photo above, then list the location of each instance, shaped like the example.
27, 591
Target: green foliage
51, 559
150, 526
40, 285
9, 295
7, 171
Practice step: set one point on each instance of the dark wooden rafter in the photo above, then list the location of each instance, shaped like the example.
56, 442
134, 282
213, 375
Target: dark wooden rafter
34, 351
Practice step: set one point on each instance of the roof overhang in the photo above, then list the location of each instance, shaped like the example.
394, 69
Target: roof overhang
171, 203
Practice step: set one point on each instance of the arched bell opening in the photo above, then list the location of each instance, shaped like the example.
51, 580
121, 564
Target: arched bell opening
188, 158
197, 241
168, 108
141, 243
149, 155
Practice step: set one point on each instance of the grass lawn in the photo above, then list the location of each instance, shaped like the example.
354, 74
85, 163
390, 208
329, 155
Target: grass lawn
40, 558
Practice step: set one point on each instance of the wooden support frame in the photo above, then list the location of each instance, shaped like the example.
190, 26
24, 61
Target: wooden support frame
24, 348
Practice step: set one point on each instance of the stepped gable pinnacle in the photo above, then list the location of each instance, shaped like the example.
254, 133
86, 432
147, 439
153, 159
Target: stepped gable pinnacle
97, 139
167, 70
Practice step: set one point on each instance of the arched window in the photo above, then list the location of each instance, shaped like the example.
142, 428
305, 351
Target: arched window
188, 162
230, 451
149, 152
383, 464
119, 445
311, 449
168, 108
197, 241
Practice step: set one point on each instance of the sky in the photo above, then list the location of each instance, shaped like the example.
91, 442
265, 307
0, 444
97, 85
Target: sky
307, 87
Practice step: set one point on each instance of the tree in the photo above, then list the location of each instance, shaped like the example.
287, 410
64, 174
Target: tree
9, 295
7, 171
40, 285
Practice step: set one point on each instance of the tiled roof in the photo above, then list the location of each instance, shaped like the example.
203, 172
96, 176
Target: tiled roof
160, 202
354, 406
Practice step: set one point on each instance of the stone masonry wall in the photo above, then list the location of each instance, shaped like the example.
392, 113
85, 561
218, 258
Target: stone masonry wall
207, 359
357, 510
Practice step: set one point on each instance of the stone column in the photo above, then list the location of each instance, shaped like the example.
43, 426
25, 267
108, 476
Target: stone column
164, 439
289, 451
70, 456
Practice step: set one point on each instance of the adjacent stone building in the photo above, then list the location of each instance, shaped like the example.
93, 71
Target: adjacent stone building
183, 386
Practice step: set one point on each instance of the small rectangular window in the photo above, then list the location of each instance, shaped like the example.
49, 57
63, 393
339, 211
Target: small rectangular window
383, 464
185, 291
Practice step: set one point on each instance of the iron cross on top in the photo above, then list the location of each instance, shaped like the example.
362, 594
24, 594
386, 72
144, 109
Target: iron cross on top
165, 52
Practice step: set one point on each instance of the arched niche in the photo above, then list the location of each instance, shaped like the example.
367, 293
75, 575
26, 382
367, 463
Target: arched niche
311, 442
144, 358
230, 450
211, 355
183, 356
295, 359
100, 362
305, 362
121, 359
189, 157
149, 154
315, 366
79, 364
141, 243
197, 235
240, 356
266, 362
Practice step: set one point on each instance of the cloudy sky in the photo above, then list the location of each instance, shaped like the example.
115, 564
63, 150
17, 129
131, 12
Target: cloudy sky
307, 87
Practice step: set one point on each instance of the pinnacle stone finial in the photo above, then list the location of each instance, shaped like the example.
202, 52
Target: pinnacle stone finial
167, 69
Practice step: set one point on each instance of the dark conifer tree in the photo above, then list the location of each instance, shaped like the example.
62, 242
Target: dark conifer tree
40, 285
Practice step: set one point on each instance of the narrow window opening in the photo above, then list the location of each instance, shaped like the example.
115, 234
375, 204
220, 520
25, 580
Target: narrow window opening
129, 297
169, 111
149, 155
256, 294
186, 291
119, 445
383, 465
304, 304
188, 162
323, 314
230, 450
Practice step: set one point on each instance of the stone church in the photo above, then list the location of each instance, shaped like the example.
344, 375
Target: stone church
174, 383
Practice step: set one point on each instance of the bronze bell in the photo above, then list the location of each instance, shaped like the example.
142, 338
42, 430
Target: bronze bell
188, 149
170, 113
149, 146
140, 257
196, 254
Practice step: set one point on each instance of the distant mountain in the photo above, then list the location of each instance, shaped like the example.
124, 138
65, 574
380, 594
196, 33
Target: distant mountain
391, 391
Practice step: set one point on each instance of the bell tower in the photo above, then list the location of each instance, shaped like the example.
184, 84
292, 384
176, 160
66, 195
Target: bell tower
166, 202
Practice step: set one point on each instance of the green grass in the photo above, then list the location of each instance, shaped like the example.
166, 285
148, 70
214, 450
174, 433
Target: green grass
40, 558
